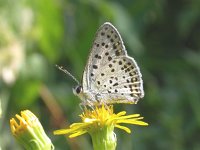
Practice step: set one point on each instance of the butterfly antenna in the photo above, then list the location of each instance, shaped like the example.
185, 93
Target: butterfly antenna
67, 72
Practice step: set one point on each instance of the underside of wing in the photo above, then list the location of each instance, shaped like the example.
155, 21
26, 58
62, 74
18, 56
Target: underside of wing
110, 72
122, 83
106, 46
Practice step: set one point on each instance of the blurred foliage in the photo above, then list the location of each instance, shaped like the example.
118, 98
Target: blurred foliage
163, 36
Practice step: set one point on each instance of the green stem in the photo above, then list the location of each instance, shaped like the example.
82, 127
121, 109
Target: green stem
103, 138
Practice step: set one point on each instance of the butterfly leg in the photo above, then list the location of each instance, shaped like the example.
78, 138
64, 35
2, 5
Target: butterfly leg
101, 101
82, 106
98, 98
87, 104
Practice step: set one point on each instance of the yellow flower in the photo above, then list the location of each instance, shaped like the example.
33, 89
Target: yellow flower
29, 132
100, 123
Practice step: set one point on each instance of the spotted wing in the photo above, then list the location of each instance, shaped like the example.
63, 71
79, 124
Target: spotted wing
110, 73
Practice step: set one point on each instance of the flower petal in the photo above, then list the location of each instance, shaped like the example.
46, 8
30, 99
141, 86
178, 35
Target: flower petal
62, 131
133, 121
123, 128
121, 113
130, 116
77, 133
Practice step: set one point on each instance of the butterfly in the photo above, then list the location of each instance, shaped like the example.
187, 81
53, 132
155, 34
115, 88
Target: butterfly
110, 75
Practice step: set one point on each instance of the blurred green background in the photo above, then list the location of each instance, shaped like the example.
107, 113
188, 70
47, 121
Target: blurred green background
163, 37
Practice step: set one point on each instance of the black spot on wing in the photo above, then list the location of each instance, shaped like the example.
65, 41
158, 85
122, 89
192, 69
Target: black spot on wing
94, 66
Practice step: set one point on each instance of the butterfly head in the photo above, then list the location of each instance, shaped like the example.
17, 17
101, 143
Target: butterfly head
78, 90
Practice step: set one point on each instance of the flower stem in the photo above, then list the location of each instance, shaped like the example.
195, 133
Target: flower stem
104, 138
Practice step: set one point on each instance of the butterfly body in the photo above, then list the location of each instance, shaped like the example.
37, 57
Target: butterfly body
110, 75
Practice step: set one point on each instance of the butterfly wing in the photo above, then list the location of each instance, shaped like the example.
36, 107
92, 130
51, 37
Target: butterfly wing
110, 73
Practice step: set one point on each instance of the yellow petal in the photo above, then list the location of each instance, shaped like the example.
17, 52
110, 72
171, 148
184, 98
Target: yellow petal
130, 116
78, 133
123, 128
121, 113
133, 122
62, 131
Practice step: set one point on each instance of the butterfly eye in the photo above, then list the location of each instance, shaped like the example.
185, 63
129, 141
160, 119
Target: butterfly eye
78, 89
